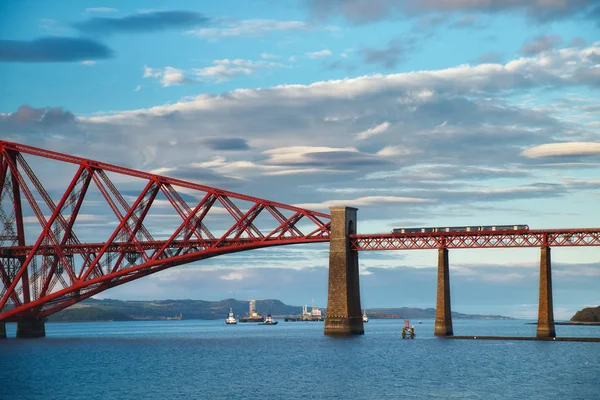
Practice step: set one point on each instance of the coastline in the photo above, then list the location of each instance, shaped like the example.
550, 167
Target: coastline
570, 323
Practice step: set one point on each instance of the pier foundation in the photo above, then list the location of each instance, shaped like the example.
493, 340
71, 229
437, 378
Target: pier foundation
344, 316
443, 314
2, 330
545, 327
31, 328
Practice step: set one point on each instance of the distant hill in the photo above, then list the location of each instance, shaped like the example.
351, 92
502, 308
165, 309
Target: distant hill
590, 314
118, 310
89, 314
406, 312
90, 309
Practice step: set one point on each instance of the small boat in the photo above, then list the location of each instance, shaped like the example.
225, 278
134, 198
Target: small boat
268, 321
365, 318
420, 322
231, 318
408, 331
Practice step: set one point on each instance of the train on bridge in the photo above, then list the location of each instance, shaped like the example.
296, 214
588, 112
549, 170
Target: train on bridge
489, 228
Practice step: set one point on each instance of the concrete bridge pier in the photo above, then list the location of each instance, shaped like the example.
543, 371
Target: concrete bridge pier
545, 326
2, 330
31, 328
344, 316
443, 314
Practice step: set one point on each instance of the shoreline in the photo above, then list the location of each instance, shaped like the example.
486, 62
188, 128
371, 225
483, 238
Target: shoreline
570, 323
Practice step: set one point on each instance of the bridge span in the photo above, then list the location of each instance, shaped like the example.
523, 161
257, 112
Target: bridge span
46, 267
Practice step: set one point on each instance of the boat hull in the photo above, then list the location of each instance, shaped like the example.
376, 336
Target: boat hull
247, 319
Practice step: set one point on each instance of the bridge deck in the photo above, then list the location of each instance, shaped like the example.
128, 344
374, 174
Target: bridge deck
474, 240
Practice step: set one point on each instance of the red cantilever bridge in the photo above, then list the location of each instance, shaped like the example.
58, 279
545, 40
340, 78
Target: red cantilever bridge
45, 266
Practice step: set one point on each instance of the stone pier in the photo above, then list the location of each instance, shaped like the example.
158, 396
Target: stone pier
443, 315
31, 328
545, 327
344, 316
2, 330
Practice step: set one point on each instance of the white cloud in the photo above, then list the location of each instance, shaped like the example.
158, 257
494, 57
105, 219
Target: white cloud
376, 130
220, 71
89, 62
299, 154
268, 56
319, 54
561, 68
101, 10
391, 151
251, 27
173, 77
364, 201
226, 69
563, 149
299, 171
233, 276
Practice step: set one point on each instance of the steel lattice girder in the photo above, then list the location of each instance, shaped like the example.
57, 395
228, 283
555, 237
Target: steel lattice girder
477, 240
30, 273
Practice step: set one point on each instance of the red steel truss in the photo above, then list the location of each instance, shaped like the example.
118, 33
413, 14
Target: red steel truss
55, 269
476, 240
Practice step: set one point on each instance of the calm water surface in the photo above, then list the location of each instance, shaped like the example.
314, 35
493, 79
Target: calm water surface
294, 360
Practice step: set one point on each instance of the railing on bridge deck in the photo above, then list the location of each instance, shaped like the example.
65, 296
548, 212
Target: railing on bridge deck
476, 240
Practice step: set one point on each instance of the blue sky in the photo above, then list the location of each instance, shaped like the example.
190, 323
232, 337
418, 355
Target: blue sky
416, 112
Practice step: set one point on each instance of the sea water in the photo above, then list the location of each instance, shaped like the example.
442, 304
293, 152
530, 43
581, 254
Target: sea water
192, 359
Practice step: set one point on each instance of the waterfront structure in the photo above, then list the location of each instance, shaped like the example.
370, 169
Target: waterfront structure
314, 314
55, 269
252, 316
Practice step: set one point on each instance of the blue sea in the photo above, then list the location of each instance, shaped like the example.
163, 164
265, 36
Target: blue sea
294, 360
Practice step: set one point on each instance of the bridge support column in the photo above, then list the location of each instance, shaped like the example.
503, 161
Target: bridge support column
31, 328
443, 314
2, 330
344, 316
545, 326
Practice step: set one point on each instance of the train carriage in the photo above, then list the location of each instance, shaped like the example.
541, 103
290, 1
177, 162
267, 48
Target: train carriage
492, 228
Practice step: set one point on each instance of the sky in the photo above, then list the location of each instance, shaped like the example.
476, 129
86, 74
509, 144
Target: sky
418, 113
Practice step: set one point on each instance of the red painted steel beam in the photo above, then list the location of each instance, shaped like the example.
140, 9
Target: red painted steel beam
147, 268
144, 175
477, 240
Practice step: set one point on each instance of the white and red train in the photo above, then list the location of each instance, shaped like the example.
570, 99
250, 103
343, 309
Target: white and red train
492, 228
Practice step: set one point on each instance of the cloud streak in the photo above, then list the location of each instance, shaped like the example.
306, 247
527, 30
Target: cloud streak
251, 28
563, 150
220, 71
142, 22
540, 44
53, 49
363, 11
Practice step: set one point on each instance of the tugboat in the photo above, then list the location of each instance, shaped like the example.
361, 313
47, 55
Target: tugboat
269, 321
231, 318
365, 318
